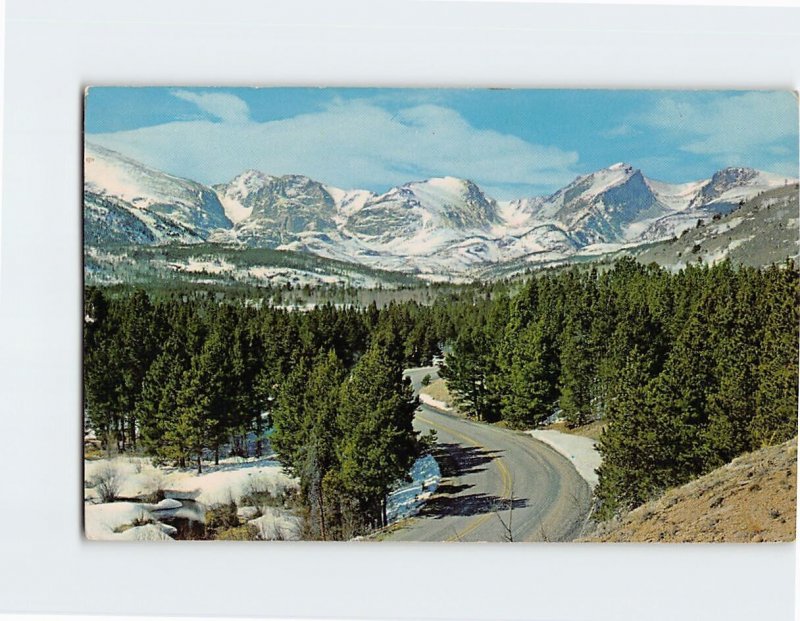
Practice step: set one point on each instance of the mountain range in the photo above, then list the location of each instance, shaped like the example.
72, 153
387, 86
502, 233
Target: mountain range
438, 228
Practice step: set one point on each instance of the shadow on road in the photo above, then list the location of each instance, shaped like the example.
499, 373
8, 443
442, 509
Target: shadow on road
454, 461
457, 460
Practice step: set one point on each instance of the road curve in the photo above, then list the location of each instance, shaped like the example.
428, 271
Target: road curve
497, 485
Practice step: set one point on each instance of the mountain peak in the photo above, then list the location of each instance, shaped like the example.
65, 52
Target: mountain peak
621, 166
251, 179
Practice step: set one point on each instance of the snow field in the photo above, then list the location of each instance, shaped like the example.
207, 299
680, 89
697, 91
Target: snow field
137, 478
580, 451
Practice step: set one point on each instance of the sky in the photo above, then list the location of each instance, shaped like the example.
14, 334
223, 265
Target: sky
513, 143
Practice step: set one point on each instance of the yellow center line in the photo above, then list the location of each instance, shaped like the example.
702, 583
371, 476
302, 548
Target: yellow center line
505, 476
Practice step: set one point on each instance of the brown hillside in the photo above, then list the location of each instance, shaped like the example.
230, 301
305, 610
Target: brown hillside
753, 498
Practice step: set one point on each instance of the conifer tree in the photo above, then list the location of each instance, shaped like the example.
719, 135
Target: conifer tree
321, 408
531, 369
379, 443
775, 417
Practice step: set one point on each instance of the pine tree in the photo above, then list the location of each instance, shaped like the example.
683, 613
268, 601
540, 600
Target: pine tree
379, 443
158, 404
577, 381
775, 417
290, 429
321, 408
531, 371
630, 443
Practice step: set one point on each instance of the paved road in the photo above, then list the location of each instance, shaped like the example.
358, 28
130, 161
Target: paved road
485, 470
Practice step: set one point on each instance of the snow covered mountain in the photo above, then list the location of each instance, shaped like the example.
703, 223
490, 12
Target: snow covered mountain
600, 206
437, 227
169, 208
269, 211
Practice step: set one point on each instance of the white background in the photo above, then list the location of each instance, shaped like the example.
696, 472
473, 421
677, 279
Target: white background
55, 48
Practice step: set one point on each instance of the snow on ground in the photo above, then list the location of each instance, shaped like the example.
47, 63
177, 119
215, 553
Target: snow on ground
516, 213
136, 476
723, 251
104, 519
434, 403
276, 524
582, 452
215, 266
605, 179
407, 500
228, 482
233, 478
136, 479
148, 532
676, 196
233, 208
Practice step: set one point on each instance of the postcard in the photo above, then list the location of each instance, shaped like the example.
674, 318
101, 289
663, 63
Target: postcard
440, 315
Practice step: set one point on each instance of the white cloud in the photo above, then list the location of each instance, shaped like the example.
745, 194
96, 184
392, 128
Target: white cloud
619, 131
223, 106
354, 144
728, 126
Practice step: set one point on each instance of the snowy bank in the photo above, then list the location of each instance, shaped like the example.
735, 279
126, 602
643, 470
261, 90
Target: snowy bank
102, 520
228, 482
137, 478
276, 525
434, 403
580, 451
407, 500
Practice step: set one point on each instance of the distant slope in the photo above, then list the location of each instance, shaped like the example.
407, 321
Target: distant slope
753, 498
765, 230
214, 264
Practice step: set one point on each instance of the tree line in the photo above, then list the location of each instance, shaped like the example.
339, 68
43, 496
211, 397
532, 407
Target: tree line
188, 381
686, 369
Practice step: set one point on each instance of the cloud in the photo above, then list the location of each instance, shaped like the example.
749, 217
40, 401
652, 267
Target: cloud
222, 106
727, 126
350, 144
619, 131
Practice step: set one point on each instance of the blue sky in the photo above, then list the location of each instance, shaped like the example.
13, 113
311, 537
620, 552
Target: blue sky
512, 143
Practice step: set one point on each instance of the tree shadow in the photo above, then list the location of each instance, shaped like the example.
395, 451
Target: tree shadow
456, 460
468, 504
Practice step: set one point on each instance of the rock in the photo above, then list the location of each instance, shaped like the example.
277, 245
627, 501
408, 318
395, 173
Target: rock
247, 513
168, 503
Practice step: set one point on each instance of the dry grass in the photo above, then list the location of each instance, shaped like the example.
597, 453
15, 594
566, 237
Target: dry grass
437, 389
751, 499
591, 430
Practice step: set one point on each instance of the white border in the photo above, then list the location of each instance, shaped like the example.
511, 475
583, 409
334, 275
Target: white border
54, 48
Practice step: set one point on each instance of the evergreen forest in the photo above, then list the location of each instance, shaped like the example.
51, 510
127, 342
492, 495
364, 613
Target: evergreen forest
685, 369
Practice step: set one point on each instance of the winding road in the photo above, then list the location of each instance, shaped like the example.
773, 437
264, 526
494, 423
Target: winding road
497, 484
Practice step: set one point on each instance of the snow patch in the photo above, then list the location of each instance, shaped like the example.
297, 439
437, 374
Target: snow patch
103, 520
580, 451
435, 403
276, 524
408, 499
233, 481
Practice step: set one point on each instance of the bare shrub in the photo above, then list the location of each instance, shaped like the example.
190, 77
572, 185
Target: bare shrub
155, 485
261, 494
107, 481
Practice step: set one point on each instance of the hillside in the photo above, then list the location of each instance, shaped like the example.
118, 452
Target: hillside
753, 498
763, 230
